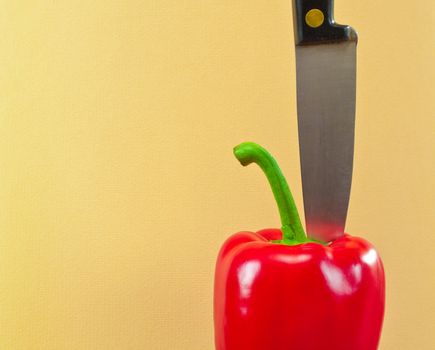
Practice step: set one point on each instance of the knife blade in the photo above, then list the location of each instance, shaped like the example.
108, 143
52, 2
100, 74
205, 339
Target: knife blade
326, 93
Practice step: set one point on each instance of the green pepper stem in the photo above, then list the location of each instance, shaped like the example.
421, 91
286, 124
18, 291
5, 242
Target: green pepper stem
292, 230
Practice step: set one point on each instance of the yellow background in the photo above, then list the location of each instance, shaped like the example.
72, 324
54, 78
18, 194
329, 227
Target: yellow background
117, 181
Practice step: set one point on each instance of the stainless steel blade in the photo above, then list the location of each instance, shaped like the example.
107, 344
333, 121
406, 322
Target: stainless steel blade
326, 81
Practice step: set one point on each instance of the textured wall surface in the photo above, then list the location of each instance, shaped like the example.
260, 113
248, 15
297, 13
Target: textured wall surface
117, 181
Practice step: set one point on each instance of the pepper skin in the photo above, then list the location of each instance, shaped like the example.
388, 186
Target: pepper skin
277, 290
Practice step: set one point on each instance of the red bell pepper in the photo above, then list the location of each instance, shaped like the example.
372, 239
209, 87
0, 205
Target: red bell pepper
278, 290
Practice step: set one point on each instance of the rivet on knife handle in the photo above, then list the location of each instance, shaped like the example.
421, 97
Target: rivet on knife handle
314, 23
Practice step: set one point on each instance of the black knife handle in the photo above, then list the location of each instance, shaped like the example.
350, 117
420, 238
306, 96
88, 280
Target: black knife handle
314, 23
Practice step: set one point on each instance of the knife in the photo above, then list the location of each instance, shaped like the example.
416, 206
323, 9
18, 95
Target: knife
326, 92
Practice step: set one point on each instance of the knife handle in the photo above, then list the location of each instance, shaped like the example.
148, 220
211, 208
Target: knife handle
314, 23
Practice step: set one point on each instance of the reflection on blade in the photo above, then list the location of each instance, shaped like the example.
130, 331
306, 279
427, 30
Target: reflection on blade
326, 80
